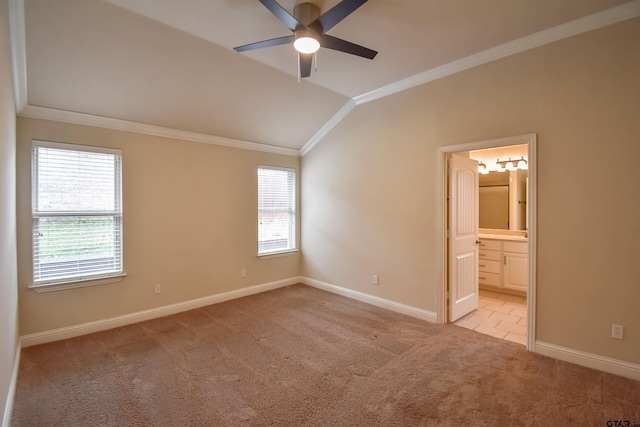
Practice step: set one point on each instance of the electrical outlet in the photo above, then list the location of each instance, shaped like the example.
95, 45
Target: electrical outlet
617, 332
375, 280
157, 288
243, 272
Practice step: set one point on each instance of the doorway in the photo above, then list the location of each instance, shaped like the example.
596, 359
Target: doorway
443, 230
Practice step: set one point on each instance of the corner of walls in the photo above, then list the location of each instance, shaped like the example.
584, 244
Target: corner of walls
18, 52
9, 342
478, 104
397, 307
328, 126
11, 392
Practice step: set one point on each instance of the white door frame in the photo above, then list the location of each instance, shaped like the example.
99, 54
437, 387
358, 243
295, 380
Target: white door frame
441, 232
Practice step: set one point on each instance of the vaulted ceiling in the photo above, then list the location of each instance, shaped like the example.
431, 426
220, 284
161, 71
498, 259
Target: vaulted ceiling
171, 63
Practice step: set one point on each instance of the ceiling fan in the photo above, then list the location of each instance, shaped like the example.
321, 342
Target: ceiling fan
310, 31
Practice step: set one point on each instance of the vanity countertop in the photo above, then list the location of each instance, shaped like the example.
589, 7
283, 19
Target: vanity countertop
504, 237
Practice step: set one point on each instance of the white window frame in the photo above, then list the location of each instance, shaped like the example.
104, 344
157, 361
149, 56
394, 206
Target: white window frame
44, 283
290, 210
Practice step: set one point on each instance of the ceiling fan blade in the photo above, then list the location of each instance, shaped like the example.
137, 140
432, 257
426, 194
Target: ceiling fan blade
281, 13
305, 64
333, 16
265, 43
335, 43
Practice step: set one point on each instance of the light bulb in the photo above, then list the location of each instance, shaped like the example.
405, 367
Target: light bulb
306, 44
522, 164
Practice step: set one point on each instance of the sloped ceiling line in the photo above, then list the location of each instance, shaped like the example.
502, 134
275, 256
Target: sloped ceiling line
18, 45
550, 35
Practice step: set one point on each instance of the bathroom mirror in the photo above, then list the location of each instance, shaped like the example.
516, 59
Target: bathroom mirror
503, 200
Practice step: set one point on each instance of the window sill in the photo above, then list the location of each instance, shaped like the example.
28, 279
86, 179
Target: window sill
60, 286
278, 254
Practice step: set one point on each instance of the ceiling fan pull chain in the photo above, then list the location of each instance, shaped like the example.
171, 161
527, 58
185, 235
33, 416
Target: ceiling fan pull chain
315, 60
299, 72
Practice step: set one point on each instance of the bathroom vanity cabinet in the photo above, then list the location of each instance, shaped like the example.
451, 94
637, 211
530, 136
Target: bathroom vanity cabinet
503, 265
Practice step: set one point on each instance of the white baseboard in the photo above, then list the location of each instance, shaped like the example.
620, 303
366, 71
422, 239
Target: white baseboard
140, 316
11, 394
605, 364
408, 310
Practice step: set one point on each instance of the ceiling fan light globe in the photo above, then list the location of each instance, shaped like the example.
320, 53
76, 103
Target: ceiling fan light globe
306, 44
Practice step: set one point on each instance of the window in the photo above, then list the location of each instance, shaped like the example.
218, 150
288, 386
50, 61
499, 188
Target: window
276, 210
77, 213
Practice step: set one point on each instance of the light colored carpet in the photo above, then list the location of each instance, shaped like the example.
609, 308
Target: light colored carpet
298, 356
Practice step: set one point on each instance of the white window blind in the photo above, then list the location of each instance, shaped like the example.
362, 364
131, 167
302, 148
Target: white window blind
77, 213
276, 210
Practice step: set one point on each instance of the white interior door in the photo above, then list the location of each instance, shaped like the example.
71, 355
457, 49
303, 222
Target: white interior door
463, 237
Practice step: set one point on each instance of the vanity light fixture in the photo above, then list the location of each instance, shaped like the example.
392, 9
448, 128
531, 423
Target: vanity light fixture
482, 168
522, 164
511, 165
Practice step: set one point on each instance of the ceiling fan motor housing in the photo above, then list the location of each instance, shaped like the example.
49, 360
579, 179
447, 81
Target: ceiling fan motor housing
306, 13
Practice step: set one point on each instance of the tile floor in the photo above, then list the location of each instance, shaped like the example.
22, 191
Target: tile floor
499, 315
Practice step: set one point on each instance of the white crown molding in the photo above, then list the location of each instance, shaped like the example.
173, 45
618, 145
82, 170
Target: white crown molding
572, 28
18, 46
17, 37
328, 126
590, 360
397, 307
44, 113
153, 313
19, 61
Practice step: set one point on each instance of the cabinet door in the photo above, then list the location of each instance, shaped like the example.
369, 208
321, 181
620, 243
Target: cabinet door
516, 271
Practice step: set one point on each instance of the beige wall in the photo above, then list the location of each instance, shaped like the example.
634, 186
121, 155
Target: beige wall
8, 273
369, 189
190, 223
